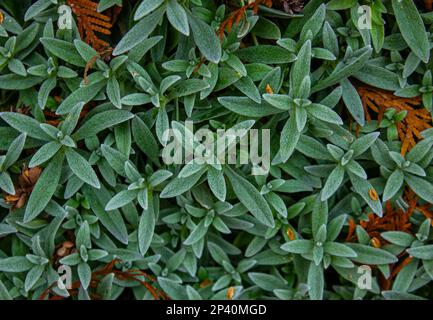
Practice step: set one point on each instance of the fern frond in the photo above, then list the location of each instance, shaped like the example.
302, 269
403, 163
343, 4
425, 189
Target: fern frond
410, 128
91, 22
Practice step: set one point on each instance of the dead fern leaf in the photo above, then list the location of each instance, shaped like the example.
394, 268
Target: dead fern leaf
393, 219
91, 22
97, 276
377, 101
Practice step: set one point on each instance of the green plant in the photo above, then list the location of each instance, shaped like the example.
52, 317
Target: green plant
86, 183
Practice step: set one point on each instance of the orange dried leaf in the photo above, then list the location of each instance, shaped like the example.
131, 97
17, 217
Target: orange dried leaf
91, 22
96, 277
236, 16
291, 234
269, 89
230, 293
205, 283
417, 118
372, 193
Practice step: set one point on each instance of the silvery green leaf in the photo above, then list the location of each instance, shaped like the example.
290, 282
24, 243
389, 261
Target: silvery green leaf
71, 120
280, 101
33, 276
412, 28
324, 113
121, 199
205, 38
371, 255
16, 66
146, 227
250, 198
399, 238
246, 86
45, 153
44, 188
45, 90
24, 124
192, 293
168, 82
418, 152
36, 8
140, 31
135, 99
190, 168
339, 250
298, 246
15, 264
378, 77
355, 168
4, 293
63, 50
266, 54
113, 92
406, 276
81, 168
393, 184
315, 281
422, 252
396, 295
361, 56
288, 141
188, 87
246, 107
14, 151
85, 274
71, 260
353, 101
83, 94
113, 220
421, 187
146, 7
159, 176
196, 235
172, 288
333, 182
176, 14
179, 185
362, 144
145, 139
101, 121
267, 282
162, 126
301, 67
6, 229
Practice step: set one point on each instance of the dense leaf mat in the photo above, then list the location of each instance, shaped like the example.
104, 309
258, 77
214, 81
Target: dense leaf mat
89, 89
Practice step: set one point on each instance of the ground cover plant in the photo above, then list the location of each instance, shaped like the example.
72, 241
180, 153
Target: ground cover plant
88, 90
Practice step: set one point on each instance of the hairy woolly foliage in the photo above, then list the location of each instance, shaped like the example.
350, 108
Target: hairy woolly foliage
89, 90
